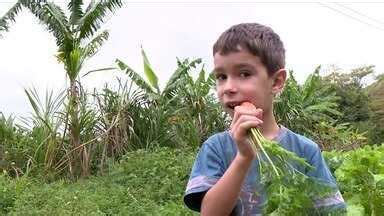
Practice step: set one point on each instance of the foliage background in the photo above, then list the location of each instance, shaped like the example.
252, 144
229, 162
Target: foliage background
128, 147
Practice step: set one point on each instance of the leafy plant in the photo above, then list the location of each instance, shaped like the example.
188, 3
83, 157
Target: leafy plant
76, 41
342, 136
349, 88
46, 122
15, 146
142, 183
185, 106
300, 108
361, 178
375, 92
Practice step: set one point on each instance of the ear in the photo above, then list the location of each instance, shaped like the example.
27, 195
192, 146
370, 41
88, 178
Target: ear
278, 81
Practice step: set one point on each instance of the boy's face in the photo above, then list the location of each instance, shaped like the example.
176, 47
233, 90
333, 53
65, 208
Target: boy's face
241, 76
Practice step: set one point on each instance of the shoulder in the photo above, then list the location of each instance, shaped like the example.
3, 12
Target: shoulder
301, 145
223, 136
220, 146
308, 149
218, 141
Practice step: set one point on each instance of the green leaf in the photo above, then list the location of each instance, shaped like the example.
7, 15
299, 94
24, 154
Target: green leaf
201, 78
54, 18
121, 64
74, 63
98, 70
355, 210
176, 79
76, 12
378, 177
136, 78
94, 16
149, 73
9, 16
94, 45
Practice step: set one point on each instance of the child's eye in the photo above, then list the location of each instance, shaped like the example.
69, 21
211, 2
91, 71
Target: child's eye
220, 77
244, 74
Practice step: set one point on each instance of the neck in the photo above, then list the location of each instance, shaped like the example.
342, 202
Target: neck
269, 128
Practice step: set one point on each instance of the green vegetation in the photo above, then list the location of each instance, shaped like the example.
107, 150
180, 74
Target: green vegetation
142, 183
360, 175
77, 41
128, 147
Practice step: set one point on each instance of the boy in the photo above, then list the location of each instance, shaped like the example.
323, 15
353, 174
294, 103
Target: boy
249, 62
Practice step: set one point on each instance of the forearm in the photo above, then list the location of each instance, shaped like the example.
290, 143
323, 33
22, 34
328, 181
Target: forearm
222, 197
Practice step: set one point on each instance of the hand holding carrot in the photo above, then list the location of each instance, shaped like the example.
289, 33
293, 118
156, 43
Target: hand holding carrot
246, 116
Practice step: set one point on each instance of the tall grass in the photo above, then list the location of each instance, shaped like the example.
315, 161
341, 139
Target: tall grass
46, 122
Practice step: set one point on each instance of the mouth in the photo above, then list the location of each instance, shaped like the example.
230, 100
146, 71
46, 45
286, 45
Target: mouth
231, 105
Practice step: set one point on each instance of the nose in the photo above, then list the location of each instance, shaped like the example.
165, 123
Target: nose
230, 86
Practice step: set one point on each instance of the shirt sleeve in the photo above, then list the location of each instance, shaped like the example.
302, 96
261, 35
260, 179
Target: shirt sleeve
333, 202
206, 171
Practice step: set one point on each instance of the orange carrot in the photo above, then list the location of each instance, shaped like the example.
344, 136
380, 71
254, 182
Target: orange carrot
248, 105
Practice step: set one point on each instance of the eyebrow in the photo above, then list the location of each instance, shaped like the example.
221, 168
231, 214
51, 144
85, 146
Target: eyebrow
237, 66
217, 70
242, 65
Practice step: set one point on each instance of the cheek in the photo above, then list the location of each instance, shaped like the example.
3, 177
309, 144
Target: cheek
220, 98
219, 92
255, 94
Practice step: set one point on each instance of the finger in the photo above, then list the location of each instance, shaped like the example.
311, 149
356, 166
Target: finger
242, 131
240, 118
240, 112
253, 120
244, 118
245, 126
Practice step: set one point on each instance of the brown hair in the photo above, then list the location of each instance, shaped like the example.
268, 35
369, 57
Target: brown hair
258, 39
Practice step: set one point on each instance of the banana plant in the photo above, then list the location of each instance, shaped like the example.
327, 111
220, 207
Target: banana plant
78, 38
299, 107
157, 107
185, 106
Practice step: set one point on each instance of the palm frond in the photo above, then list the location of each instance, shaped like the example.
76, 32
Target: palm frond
94, 16
311, 85
136, 78
99, 70
201, 77
90, 6
10, 16
76, 11
173, 81
182, 70
211, 81
93, 46
54, 18
205, 84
